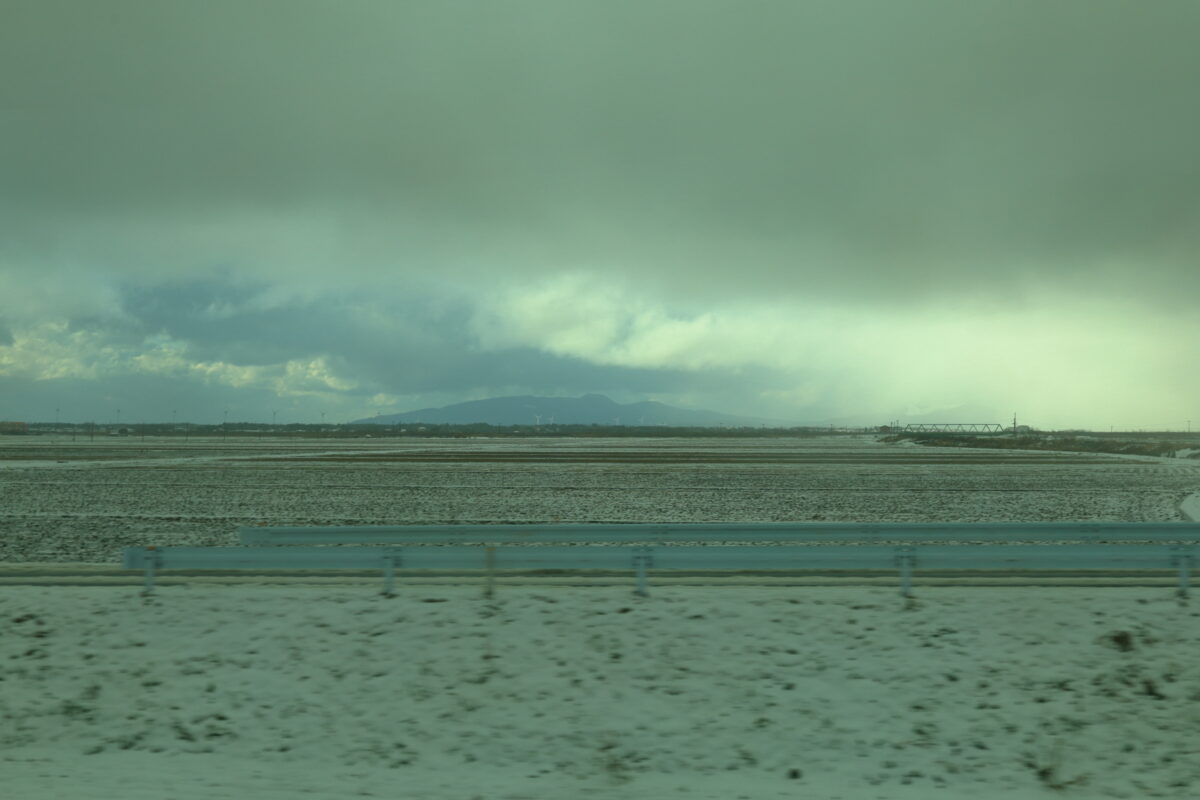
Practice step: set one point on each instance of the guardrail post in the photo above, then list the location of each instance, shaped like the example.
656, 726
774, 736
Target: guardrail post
391, 560
1182, 556
489, 561
643, 558
906, 559
152, 559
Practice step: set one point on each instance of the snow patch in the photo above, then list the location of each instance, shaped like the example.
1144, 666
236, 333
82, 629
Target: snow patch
1191, 507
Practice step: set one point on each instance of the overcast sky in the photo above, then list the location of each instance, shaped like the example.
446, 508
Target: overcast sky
803, 210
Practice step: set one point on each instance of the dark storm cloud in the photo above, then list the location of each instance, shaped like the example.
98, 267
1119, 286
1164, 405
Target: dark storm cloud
789, 209
145, 398
231, 321
405, 345
863, 147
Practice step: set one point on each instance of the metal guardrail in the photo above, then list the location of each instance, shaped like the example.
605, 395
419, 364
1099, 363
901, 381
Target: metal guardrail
153, 559
1058, 554
782, 532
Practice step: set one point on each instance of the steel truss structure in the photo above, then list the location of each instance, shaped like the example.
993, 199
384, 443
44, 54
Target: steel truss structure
954, 427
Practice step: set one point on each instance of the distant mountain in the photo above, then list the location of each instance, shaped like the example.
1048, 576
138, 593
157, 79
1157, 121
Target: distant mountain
591, 409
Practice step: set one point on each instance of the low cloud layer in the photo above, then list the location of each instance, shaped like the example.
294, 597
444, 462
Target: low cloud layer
804, 211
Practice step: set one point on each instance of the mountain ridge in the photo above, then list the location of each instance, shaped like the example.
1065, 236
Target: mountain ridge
588, 409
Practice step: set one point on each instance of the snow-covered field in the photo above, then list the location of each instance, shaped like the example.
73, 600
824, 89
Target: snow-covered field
715, 693
552, 691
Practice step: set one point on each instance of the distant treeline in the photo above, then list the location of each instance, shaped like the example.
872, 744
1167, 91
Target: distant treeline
250, 430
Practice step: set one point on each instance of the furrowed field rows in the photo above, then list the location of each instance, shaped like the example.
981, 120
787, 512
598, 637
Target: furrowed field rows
88, 510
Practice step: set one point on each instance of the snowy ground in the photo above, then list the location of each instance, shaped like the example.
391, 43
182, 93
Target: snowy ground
561, 692
718, 692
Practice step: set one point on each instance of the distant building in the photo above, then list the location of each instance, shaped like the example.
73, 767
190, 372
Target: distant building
11, 428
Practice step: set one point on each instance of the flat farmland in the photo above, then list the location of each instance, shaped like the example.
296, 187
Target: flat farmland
83, 501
